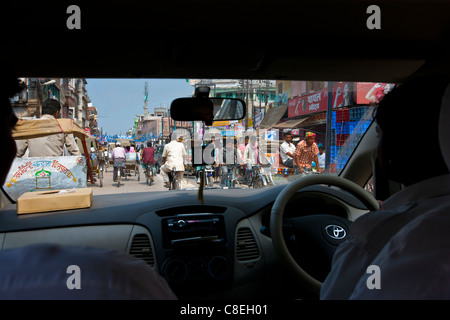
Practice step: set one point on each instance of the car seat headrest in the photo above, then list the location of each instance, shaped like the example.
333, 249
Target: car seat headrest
444, 127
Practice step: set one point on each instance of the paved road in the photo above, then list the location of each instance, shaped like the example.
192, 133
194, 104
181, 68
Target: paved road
131, 184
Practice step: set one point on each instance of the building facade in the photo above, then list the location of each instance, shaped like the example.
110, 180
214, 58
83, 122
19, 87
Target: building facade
71, 93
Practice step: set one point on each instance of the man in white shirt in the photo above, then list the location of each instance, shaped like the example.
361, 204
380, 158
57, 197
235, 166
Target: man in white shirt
251, 153
287, 149
403, 251
253, 156
173, 156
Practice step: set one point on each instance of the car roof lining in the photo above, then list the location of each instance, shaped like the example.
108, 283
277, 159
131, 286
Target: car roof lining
285, 40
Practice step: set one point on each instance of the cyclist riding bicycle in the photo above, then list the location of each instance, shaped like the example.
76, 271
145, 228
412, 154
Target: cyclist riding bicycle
173, 156
118, 156
148, 159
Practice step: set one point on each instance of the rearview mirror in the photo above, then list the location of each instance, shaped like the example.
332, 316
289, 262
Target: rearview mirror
207, 109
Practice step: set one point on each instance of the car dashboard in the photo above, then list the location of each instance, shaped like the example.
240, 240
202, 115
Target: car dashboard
217, 250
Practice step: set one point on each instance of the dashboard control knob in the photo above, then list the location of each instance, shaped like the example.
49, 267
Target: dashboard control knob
219, 267
198, 269
175, 271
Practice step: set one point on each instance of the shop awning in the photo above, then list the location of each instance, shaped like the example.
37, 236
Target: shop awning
290, 123
273, 116
316, 119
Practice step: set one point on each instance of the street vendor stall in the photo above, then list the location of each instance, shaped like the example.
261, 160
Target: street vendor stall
47, 173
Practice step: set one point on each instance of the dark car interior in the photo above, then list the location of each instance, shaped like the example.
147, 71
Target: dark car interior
223, 248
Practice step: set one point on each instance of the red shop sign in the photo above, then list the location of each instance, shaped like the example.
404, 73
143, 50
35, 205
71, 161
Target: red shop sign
311, 103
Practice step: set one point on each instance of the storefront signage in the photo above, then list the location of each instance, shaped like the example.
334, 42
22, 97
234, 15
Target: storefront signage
221, 123
307, 104
344, 94
271, 135
369, 92
228, 133
315, 119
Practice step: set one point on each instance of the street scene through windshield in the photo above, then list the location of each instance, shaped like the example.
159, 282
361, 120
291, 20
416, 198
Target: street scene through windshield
291, 129
238, 159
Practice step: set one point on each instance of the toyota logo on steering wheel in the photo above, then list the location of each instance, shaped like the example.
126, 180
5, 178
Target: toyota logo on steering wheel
335, 232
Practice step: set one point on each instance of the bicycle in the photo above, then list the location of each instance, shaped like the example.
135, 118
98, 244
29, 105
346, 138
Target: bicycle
232, 181
150, 173
121, 172
206, 172
261, 176
174, 179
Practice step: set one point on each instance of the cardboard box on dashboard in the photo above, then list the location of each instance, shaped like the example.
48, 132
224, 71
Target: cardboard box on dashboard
54, 200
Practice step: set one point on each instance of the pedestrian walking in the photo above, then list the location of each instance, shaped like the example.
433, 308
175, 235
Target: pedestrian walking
251, 157
321, 157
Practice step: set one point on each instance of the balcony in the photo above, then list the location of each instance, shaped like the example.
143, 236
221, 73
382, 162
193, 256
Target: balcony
69, 91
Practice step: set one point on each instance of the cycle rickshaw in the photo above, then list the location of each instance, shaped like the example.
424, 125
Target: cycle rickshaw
96, 157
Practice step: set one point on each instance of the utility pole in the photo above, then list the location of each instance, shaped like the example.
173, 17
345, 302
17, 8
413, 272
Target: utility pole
245, 88
328, 127
251, 93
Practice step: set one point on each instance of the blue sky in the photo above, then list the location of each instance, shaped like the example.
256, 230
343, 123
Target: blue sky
118, 101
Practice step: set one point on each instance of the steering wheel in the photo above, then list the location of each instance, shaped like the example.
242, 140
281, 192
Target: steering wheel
328, 230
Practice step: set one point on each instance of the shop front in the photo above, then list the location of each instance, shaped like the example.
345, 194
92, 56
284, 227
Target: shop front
352, 106
307, 113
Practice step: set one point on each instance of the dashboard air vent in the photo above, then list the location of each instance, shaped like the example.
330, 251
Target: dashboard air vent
142, 249
246, 247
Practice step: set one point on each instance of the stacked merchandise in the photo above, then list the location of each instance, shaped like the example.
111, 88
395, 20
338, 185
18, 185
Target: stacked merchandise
285, 171
347, 127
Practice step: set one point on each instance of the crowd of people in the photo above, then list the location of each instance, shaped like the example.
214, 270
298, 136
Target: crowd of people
304, 156
246, 152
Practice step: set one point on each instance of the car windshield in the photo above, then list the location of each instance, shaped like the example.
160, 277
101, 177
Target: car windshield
291, 129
